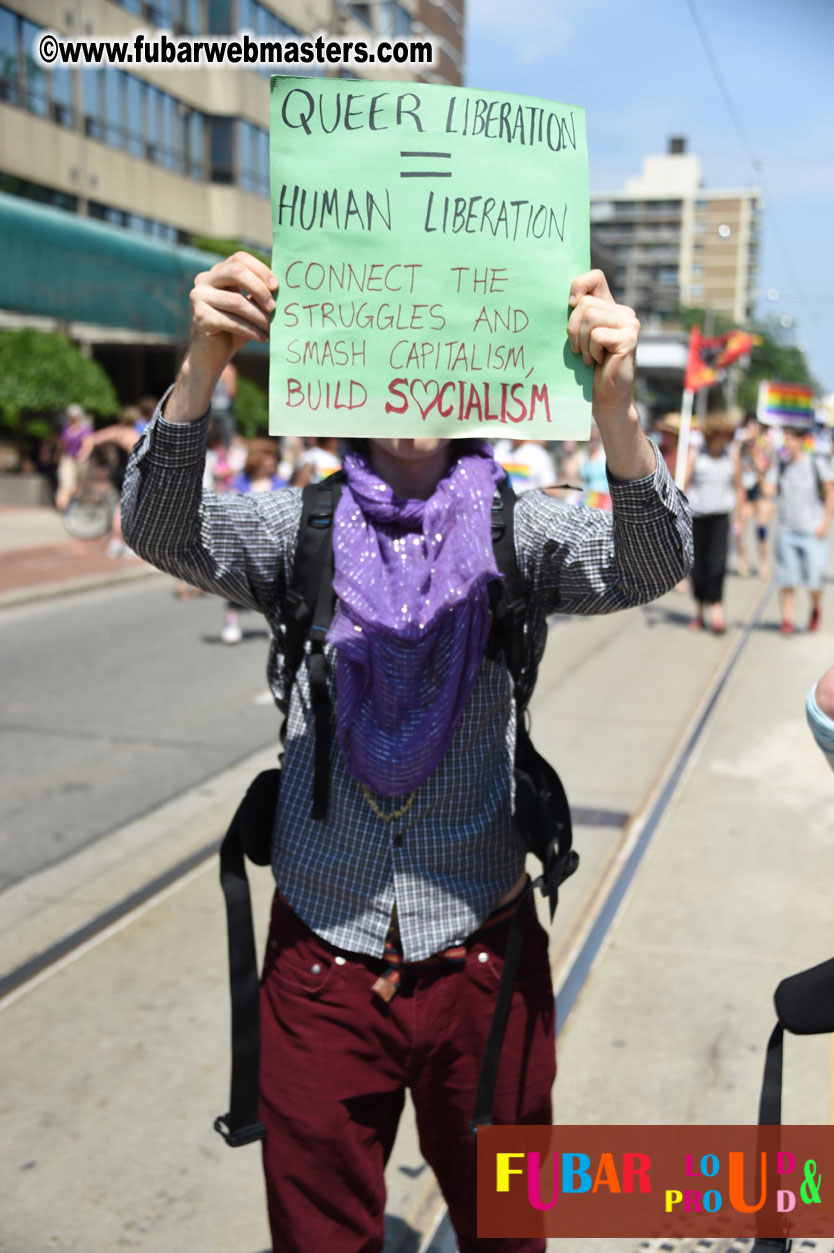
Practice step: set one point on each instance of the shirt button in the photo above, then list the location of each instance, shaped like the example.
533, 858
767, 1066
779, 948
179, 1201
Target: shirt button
340, 961
316, 968
483, 957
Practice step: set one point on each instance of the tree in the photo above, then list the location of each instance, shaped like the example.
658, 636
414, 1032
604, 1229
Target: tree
251, 408
775, 358
40, 374
225, 247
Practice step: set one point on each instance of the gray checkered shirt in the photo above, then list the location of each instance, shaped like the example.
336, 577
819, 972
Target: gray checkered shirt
454, 854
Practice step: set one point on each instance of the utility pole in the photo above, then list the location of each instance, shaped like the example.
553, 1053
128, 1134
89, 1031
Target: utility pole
702, 397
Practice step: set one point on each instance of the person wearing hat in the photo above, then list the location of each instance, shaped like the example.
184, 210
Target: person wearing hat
713, 485
75, 428
804, 486
754, 463
416, 857
669, 429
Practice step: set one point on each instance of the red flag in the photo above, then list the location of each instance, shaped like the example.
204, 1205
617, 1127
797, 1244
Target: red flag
736, 344
708, 356
699, 370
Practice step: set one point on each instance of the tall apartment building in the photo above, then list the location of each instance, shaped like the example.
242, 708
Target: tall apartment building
124, 169
675, 242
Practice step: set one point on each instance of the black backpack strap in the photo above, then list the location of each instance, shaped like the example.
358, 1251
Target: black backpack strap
482, 1116
804, 1006
770, 1100
249, 835
542, 811
310, 612
508, 596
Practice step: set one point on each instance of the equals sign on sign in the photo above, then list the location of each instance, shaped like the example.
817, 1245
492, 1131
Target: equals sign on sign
435, 156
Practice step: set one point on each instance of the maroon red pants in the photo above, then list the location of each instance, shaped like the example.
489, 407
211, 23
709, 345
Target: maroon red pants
336, 1060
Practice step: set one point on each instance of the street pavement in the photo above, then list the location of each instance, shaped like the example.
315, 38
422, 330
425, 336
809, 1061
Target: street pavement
117, 1059
113, 702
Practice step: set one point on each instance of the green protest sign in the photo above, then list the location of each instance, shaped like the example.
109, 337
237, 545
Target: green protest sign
425, 239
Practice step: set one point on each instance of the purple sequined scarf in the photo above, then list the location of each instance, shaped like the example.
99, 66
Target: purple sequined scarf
413, 615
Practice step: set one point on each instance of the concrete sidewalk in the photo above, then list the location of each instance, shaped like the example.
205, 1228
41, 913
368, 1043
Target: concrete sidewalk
736, 893
39, 559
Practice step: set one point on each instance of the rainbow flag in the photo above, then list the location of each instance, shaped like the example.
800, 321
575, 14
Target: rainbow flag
785, 404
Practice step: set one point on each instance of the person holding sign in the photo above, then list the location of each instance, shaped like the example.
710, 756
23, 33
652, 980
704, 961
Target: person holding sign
417, 856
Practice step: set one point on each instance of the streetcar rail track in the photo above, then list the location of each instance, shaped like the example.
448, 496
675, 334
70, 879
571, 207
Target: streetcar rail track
613, 889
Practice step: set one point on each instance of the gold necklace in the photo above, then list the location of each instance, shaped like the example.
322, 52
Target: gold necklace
395, 813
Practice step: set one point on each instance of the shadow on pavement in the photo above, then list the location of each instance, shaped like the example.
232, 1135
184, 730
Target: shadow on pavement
657, 615
400, 1236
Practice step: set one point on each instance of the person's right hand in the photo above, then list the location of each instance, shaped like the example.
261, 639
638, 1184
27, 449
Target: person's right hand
231, 304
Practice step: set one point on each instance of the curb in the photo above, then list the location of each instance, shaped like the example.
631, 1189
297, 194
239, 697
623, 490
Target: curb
68, 587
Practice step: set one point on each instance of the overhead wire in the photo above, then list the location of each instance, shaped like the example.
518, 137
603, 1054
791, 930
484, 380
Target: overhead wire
754, 160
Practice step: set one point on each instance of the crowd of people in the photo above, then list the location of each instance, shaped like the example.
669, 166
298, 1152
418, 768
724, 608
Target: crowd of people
738, 476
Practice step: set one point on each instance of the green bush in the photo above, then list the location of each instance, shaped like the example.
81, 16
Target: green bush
225, 247
251, 408
40, 374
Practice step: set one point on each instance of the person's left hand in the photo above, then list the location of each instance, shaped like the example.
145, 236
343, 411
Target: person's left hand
605, 333
822, 530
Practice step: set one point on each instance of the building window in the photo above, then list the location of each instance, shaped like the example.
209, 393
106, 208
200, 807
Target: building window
266, 25
160, 13
362, 13
221, 154
91, 85
115, 131
182, 16
194, 144
253, 158
9, 66
219, 14
192, 13
62, 107
174, 127
37, 93
24, 81
14, 186
104, 213
396, 21
135, 222
137, 120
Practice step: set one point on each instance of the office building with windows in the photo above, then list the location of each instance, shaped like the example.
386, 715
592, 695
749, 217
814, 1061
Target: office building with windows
111, 178
675, 242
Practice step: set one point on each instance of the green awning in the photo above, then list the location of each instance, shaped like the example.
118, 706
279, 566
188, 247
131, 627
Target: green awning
75, 269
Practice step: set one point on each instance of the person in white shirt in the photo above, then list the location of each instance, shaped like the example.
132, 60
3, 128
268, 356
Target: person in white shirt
317, 463
527, 462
